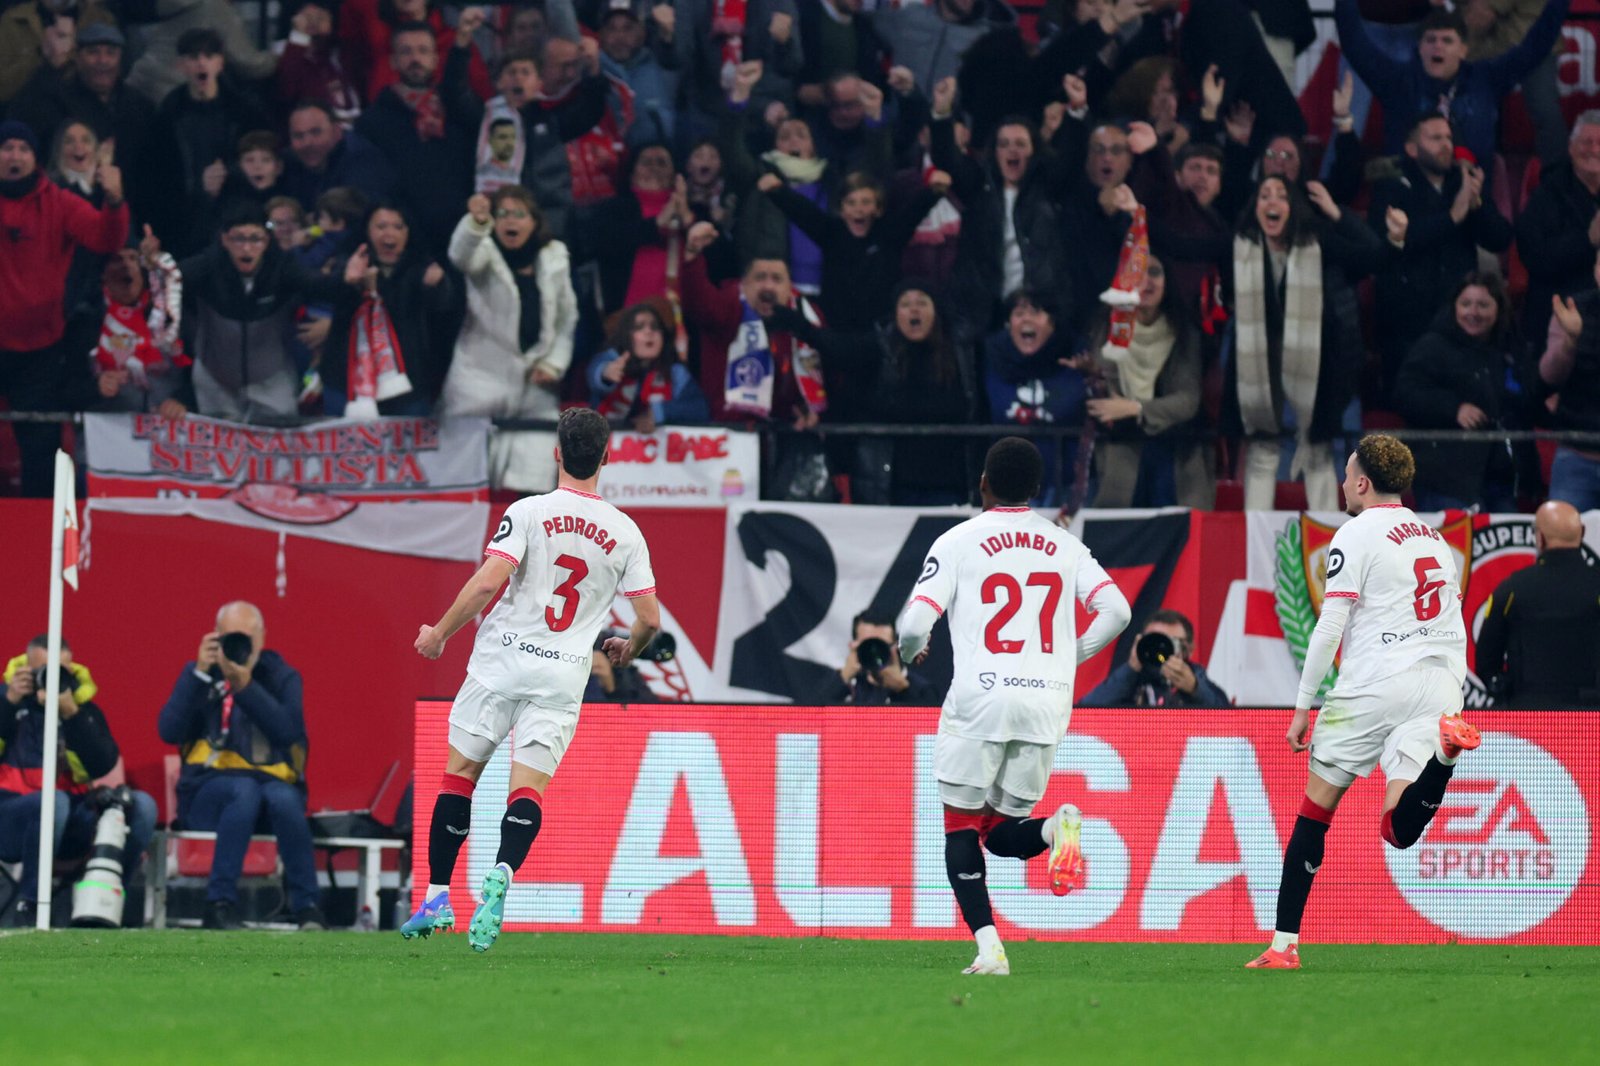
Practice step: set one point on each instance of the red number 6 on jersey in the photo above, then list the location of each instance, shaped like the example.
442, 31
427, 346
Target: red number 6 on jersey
568, 591
1428, 604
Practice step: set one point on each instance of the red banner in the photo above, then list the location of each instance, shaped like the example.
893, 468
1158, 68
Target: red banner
793, 821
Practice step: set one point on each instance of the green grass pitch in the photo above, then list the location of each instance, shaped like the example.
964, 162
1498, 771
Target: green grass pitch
110, 999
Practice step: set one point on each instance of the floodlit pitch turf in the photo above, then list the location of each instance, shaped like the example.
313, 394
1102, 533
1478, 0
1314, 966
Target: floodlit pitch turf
349, 998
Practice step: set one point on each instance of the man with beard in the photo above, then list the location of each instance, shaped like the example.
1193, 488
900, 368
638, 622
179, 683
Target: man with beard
238, 298
1032, 377
427, 140
91, 90
1451, 219
41, 224
642, 61
767, 379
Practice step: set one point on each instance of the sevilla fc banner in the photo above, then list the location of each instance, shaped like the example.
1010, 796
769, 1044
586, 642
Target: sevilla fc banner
801, 821
407, 485
1268, 617
682, 468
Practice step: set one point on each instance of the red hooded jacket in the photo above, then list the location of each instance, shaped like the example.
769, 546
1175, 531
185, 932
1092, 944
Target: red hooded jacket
38, 232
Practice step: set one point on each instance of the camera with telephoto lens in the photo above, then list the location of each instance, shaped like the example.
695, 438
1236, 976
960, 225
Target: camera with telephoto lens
1153, 650
874, 655
236, 647
68, 683
663, 649
97, 899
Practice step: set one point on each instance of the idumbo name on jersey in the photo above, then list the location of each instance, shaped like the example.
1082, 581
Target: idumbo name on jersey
1001, 541
587, 530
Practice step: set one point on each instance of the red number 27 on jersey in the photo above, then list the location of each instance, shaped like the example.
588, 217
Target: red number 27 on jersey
995, 584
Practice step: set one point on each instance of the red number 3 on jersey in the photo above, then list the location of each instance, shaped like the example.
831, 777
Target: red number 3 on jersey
1427, 602
568, 592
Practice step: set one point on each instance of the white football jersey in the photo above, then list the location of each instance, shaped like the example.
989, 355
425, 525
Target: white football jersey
573, 553
1007, 581
1406, 592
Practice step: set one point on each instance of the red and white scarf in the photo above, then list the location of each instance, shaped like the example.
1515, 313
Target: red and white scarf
636, 393
1123, 296
727, 23
143, 337
427, 111
376, 368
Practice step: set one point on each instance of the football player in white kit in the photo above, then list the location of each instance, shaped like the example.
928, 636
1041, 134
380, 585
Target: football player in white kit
1007, 580
566, 554
1393, 596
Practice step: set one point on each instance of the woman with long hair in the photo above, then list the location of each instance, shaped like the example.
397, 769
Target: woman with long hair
516, 341
1468, 372
1296, 351
638, 380
907, 371
412, 290
1151, 454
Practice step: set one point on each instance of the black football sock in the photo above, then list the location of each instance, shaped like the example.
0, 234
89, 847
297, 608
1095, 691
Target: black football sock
1301, 860
1404, 825
452, 818
963, 862
1016, 838
519, 827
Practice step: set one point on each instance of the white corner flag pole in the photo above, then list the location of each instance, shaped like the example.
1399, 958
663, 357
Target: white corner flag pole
63, 528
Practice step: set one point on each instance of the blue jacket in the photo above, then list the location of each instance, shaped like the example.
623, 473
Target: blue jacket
654, 90
687, 404
265, 734
1407, 91
1122, 686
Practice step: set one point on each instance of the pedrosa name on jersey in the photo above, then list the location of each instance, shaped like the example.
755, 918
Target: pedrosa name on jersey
588, 530
1001, 541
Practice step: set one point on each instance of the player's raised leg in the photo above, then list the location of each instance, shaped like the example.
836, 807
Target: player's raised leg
963, 863
452, 819
1302, 858
518, 829
1409, 805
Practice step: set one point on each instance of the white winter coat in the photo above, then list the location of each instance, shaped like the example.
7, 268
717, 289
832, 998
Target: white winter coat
490, 372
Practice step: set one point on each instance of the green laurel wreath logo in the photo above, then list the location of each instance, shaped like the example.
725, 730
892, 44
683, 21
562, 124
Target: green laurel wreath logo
1293, 602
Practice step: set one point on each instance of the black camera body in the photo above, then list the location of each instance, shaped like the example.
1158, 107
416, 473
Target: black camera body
42, 675
663, 649
1153, 650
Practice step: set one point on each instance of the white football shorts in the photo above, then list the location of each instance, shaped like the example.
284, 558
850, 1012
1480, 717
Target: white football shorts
1008, 776
1395, 726
540, 730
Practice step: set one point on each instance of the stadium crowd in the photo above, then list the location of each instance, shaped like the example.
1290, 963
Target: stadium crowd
795, 213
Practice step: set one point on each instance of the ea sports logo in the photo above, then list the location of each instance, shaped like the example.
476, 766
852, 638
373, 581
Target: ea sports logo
1506, 847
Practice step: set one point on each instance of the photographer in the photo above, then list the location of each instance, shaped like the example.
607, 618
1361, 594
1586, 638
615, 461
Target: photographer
87, 751
1158, 672
609, 683
235, 714
873, 673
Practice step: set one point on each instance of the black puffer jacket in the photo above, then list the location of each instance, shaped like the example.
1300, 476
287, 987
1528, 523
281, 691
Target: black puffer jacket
1445, 369
979, 275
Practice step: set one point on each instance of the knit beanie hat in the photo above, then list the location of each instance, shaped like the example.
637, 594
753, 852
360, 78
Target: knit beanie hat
12, 130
